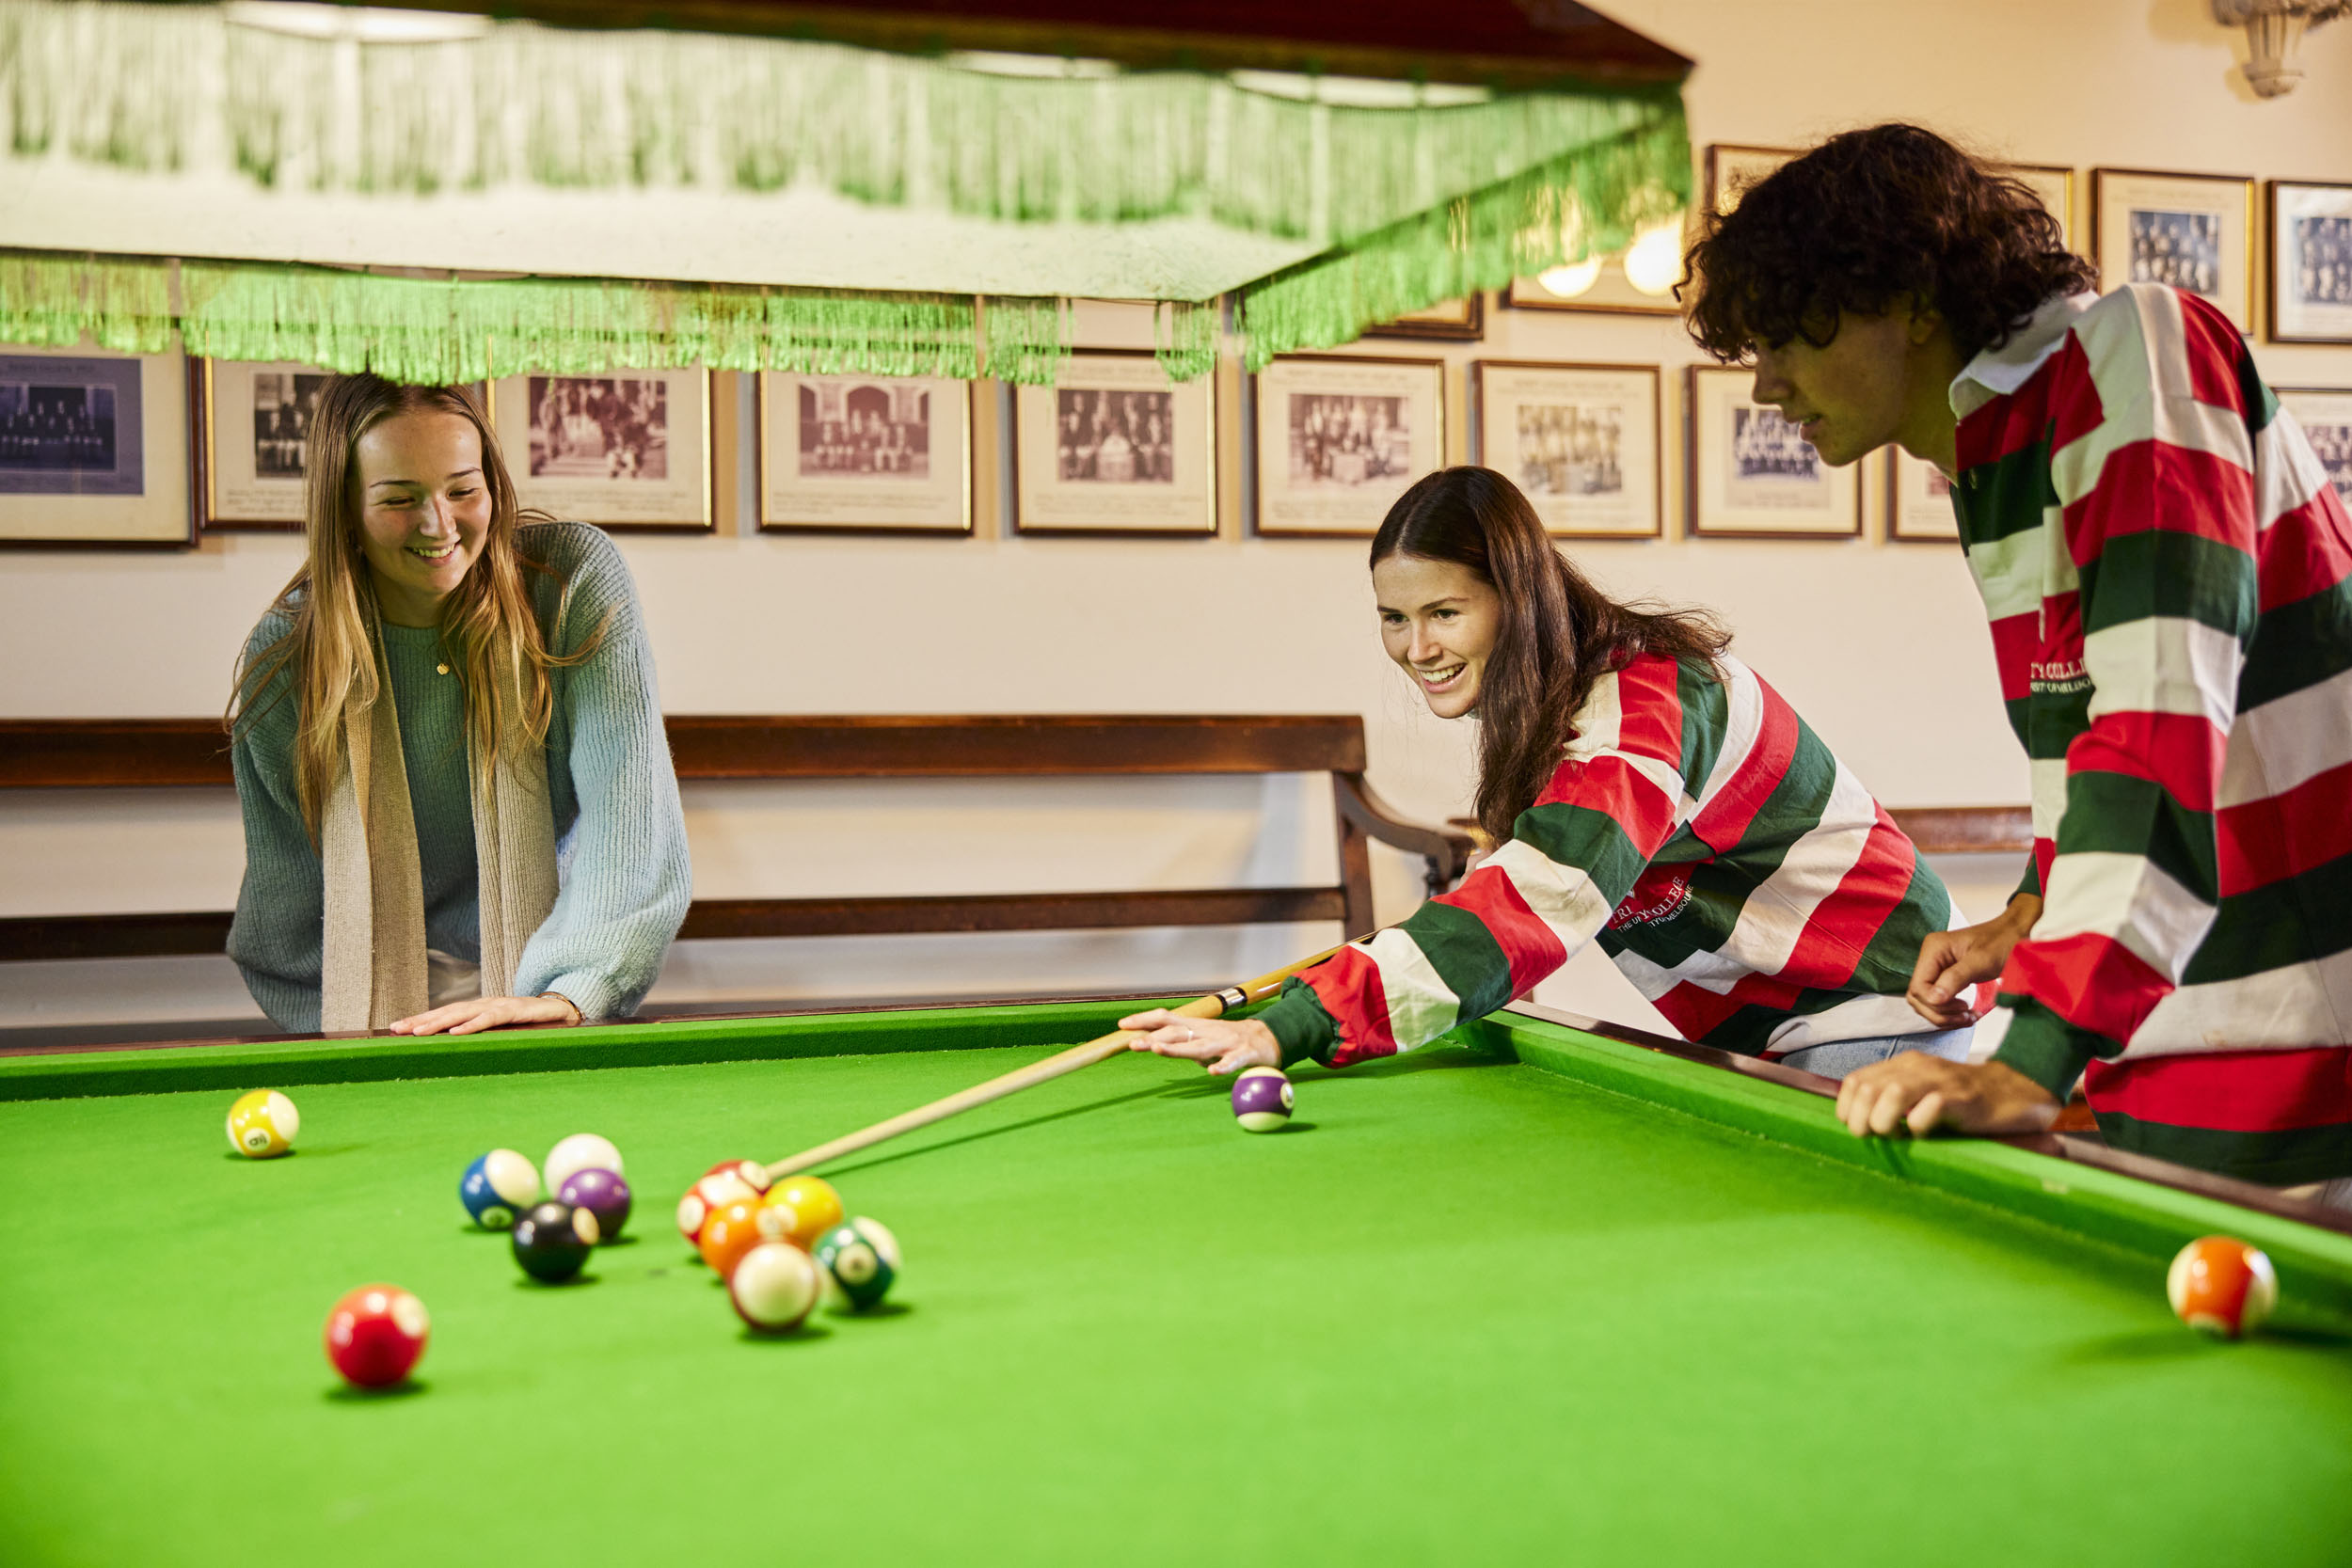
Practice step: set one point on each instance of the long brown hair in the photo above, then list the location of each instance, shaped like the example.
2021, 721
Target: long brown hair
486, 621
1557, 633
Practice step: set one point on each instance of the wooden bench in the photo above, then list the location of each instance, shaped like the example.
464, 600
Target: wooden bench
191, 752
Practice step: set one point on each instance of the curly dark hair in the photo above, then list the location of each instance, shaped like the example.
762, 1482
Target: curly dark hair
1868, 220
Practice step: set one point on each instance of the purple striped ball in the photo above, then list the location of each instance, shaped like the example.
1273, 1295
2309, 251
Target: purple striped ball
1261, 1099
603, 1193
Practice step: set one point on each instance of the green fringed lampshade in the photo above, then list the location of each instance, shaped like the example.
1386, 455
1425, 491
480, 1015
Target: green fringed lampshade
807, 205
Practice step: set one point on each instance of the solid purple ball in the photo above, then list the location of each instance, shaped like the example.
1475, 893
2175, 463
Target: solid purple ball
1261, 1099
603, 1193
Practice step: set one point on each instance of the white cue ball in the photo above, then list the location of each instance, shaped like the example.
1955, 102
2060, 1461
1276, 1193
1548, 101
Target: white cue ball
580, 1151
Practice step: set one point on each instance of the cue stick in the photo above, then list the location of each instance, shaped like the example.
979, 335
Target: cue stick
1215, 1004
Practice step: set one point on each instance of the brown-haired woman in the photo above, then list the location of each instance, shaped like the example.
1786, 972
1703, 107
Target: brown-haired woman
459, 808
1643, 786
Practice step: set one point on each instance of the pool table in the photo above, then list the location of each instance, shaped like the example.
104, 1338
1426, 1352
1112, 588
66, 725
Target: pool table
1544, 1291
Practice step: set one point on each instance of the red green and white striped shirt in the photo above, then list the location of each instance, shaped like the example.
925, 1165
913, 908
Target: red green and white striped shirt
2170, 583
1735, 870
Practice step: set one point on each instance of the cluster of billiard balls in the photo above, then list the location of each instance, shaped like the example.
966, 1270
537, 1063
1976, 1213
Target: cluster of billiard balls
783, 1246
551, 1235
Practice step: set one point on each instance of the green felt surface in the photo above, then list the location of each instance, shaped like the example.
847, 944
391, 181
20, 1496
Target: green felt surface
1470, 1309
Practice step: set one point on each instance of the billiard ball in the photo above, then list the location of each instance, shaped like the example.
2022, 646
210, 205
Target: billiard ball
1261, 1099
603, 1193
263, 1124
750, 1172
773, 1287
551, 1241
2222, 1285
732, 1231
375, 1334
581, 1151
800, 1208
859, 1261
497, 1186
711, 1192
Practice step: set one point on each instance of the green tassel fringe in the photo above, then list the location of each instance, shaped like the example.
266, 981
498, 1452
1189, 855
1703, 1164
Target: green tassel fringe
1185, 337
438, 330
1588, 203
163, 86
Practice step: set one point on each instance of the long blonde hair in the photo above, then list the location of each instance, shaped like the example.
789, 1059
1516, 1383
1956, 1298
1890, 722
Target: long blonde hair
486, 621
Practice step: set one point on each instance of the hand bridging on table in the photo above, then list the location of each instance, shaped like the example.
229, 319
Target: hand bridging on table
1226, 1045
1922, 1093
475, 1014
1952, 961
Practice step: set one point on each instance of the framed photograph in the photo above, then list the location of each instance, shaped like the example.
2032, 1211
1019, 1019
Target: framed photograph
1752, 475
2326, 415
1339, 437
2310, 263
1580, 440
1918, 500
251, 423
1600, 286
2191, 231
1114, 446
93, 448
864, 453
2054, 185
1731, 169
1461, 321
625, 450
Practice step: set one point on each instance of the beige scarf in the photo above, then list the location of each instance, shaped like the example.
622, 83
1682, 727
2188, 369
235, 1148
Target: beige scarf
374, 965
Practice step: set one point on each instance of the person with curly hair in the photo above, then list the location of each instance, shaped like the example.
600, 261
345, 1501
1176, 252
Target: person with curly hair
2169, 579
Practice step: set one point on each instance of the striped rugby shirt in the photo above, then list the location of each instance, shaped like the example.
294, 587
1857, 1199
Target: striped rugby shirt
2166, 571
1735, 870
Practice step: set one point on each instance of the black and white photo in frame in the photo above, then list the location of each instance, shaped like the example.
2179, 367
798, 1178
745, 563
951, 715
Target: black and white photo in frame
93, 448
2189, 231
2326, 416
2310, 263
1580, 441
623, 449
1339, 437
858, 452
253, 424
1115, 446
1750, 473
1919, 501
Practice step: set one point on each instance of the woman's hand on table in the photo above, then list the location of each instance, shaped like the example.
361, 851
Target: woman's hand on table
1952, 961
475, 1014
1922, 1093
1225, 1045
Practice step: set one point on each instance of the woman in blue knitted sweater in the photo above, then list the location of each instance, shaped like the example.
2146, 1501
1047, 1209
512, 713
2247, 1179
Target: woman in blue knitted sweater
460, 808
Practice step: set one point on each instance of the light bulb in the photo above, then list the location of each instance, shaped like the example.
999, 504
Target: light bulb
1654, 265
1571, 280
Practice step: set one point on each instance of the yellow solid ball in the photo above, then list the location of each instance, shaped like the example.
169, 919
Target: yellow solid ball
263, 1124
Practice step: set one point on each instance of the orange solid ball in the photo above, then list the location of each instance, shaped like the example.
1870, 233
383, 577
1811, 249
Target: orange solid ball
2222, 1285
732, 1231
800, 1208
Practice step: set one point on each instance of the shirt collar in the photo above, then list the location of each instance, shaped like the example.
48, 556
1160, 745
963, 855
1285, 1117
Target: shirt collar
1999, 372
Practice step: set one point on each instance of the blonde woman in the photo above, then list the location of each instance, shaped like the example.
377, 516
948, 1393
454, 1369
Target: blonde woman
459, 808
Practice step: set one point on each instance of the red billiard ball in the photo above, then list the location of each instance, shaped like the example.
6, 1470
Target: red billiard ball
2222, 1285
375, 1334
716, 1188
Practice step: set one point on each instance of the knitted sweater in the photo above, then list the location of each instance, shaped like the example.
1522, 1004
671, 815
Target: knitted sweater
620, 834
1736, 872
2170, 583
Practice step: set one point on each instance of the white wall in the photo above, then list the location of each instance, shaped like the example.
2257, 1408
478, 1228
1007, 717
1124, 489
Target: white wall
1882, 646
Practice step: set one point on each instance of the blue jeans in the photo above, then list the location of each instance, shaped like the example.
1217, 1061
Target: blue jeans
1836, 1058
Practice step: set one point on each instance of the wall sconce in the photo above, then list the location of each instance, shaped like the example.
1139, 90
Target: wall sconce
2274, 29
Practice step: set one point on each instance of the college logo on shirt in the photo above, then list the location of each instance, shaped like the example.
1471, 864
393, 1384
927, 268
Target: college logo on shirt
1656, 897
2057, 677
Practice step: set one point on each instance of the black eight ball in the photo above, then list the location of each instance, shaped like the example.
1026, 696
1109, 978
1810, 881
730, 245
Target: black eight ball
551, 1241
